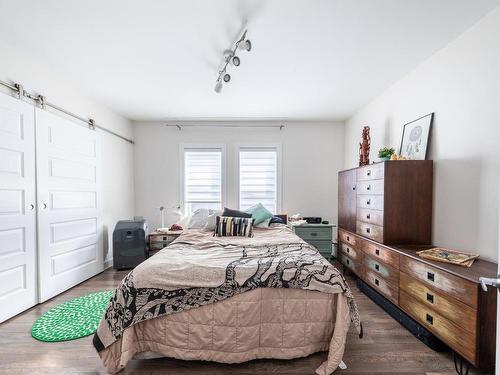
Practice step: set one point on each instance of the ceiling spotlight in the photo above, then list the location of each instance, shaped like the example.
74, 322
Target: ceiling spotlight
245, 45
227, 77
236, 61
218, 86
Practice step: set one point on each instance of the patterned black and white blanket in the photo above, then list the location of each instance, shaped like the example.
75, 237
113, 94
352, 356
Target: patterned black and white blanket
199, 269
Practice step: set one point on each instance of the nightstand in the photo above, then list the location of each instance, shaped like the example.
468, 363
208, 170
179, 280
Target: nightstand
159, 240
318, 235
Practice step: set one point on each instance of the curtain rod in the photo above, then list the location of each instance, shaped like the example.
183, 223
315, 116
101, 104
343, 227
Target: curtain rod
179, 127
43, 103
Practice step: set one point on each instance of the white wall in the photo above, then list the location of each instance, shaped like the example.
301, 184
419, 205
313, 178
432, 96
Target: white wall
313, 153
117, 155
461, 84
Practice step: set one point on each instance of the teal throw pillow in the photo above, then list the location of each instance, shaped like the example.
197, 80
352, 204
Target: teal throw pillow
259, 213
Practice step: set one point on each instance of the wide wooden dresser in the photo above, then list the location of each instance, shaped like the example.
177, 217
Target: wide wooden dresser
385, 216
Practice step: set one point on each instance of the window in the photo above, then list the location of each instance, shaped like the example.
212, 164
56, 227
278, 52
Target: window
203, 179
260, 177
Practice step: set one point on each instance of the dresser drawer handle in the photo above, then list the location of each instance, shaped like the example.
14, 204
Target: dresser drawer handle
313, 234
430, 298
429, 318
430, 276
369, 187
377, 252
368, 172
368, 216
164, 238
347, 237
347, 261
377, 282
377, 267
368, 230
353, 187
347, 250
368, 201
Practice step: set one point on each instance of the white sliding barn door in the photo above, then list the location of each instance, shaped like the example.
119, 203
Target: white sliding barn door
17, 207
69, 203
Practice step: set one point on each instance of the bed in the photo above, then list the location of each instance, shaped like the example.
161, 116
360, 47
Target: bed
230, 300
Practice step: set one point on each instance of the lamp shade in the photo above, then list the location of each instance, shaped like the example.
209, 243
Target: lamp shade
218, 87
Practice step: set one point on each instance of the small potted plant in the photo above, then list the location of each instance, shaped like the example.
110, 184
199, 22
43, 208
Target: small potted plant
385, 153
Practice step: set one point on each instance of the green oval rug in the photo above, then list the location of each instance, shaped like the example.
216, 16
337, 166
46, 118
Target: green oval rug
71, 320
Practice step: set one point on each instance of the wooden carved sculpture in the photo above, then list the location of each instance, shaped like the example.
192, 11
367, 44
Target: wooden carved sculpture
364, 147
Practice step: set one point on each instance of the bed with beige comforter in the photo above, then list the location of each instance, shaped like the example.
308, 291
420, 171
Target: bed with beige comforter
230, 299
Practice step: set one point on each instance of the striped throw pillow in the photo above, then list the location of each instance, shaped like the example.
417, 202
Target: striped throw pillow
227, 226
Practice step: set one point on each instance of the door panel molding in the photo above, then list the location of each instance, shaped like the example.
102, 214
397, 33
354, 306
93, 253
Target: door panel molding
18, 268
69, 200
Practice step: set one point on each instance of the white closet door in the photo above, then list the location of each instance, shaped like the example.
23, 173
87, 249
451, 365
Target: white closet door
69, 203
17, 207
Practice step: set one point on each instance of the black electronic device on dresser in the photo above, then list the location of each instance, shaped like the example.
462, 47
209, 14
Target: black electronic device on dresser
313, 219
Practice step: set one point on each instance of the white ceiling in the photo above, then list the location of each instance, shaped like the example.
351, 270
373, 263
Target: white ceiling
312, 59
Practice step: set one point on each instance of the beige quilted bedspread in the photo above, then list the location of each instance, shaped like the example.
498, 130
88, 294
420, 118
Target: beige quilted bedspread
262, 323
230, 299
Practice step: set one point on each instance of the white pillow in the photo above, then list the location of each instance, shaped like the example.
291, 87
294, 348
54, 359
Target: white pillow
199, 218
184, 221
212, 219
264, 224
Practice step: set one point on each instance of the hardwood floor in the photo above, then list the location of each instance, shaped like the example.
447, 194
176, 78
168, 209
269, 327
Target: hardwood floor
387, 348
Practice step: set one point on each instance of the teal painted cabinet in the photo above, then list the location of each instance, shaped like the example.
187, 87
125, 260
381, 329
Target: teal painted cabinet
318, 235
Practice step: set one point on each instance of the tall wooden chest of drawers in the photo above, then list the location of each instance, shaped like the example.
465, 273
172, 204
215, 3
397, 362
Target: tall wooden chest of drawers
391, 201
385, 216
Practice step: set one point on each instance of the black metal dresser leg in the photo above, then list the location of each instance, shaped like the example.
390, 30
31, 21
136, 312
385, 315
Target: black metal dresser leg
461, 365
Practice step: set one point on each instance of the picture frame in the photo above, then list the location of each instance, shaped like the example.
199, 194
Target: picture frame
415, 138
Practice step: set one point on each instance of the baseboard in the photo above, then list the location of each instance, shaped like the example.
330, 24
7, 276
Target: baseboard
108, 263
404, 319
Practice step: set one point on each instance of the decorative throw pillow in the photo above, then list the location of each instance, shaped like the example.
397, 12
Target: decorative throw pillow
259, 213
233, 226
264, 224
212, 219
276, 220
235, 213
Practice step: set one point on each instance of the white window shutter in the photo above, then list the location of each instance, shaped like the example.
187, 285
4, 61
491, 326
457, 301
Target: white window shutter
259, 177
202, 179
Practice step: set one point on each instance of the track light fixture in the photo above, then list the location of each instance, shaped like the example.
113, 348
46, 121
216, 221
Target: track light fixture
230, 57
